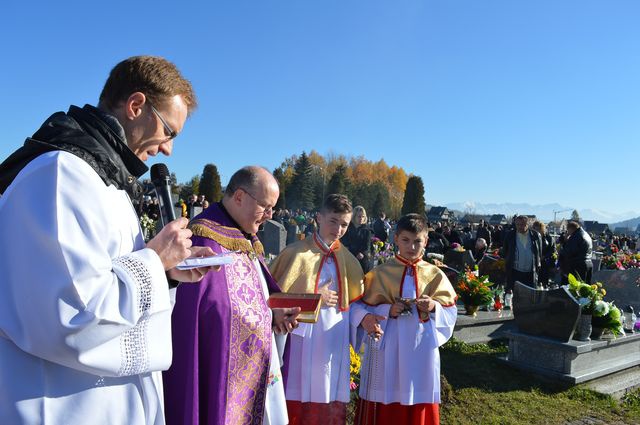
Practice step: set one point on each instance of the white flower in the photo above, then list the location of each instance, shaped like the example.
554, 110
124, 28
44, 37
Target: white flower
601, 308
146, 222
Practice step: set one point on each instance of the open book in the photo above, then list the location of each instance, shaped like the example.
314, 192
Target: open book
309, 304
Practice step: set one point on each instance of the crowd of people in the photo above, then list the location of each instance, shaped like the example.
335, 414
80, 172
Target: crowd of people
532, 254
99, 325
106, 328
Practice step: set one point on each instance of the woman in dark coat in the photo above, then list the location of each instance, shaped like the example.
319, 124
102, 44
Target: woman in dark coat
548, 251
358, 238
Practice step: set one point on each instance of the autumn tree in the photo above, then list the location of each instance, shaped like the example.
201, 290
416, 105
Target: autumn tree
210, 185
414, 197
360, 179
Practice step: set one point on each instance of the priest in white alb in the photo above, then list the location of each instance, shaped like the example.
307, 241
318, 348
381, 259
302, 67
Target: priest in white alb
85, 311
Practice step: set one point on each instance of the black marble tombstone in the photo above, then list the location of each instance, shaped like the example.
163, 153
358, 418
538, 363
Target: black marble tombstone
459, 259
552, 314
493, 267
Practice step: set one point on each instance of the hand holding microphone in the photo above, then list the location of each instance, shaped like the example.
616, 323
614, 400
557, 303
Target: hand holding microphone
173, 242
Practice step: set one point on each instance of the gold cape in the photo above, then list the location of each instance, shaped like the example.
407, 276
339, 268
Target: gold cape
297, 270
384, 283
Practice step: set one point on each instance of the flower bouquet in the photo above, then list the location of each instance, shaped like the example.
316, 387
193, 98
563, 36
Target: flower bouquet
474, 291
382, 251
607, 317
148, 226
604, 315
621, 261
586, 294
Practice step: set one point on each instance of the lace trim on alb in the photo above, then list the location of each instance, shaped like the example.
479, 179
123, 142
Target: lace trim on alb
133, 349
139, 273
133, 343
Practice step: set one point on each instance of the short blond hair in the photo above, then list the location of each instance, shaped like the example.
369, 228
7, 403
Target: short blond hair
356, 210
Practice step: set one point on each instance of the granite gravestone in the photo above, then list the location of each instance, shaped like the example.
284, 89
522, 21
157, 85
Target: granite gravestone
292, 232
493, 267
273, 236
621, 286
552, 314
459, 259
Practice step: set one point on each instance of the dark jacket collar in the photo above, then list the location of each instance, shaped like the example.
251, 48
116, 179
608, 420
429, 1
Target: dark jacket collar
90, 134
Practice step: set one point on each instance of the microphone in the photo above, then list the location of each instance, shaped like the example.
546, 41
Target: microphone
161, 179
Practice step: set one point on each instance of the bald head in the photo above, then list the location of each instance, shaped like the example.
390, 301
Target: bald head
249, 177
250, 197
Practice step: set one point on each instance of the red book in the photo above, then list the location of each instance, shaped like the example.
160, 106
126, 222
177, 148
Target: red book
309, 304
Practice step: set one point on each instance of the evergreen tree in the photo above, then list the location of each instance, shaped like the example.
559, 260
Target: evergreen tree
339, 182
360, 195
413, 201
381, 201
300, 192
318, 183
282, 183
575, 216
174, 183
210, 185
189, 188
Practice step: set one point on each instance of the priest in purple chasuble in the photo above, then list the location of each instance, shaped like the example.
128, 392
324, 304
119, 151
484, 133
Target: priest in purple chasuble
318, 361
226, 363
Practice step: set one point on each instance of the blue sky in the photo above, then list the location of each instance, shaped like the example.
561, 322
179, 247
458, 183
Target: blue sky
488, 101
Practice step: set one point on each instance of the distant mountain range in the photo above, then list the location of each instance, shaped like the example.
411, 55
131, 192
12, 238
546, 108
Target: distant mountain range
629, 224
546, 212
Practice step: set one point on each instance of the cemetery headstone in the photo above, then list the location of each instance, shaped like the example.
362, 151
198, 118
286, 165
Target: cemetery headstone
552, 314
292, 232
458, 259
273, 236
621, 286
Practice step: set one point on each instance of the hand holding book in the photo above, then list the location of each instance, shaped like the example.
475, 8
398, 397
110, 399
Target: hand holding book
284, 319
309, 305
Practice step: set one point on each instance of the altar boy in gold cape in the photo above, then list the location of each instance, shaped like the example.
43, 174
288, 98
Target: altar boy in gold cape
409, 310
318, 375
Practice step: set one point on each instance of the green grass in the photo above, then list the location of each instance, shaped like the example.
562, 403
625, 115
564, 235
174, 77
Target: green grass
479, 389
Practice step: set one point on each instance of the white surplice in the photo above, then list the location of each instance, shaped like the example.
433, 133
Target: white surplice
85, 311
275, 409
319, 352
405, 362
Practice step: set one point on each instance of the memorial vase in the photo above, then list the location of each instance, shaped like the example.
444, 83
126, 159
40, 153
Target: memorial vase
583, 328
596, 332
471, 310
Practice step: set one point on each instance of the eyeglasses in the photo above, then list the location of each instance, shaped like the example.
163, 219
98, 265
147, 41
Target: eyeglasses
265, 210
172, 133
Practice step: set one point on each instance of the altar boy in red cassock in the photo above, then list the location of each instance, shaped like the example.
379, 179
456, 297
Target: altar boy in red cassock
317, 384
400, 375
